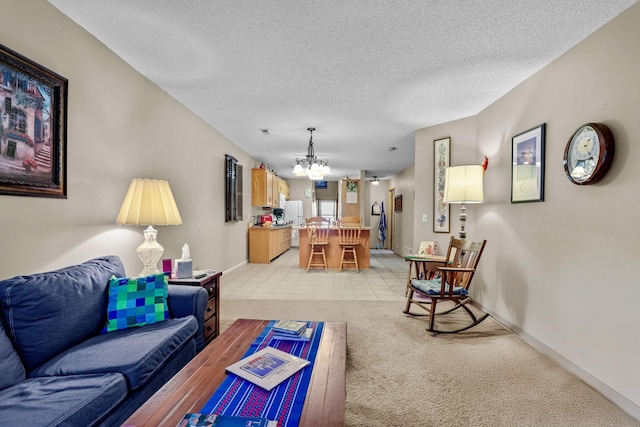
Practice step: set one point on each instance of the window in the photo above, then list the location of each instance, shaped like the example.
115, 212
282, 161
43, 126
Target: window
233, 190
327, 208
18, 120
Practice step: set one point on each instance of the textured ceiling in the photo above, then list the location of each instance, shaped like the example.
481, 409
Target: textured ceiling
365, 73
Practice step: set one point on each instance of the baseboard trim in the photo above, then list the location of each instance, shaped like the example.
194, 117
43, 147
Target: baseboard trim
246, 261
616, 398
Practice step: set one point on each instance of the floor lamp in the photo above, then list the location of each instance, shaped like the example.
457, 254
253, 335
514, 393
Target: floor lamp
149, 202
463, 184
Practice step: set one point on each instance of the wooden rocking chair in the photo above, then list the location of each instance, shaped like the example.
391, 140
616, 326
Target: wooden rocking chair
452, 285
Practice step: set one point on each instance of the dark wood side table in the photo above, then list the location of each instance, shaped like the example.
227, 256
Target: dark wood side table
211, 283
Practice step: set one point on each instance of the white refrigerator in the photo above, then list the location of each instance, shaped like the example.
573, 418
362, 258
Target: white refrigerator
293, 213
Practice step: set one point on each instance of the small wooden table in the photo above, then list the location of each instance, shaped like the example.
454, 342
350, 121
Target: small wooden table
191, 388
211, 283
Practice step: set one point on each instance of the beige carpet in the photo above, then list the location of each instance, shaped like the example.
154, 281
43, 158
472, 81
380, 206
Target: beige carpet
400, 375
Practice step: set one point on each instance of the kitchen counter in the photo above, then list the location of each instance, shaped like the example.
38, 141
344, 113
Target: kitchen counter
266, 243
295, 227
333, 251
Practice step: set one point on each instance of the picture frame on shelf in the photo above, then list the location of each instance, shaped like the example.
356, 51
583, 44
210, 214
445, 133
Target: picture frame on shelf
428, 249
527, 171
441, 161
33, 128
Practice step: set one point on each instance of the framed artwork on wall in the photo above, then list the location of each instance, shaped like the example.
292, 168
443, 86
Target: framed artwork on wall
33, 128
441, 161
397, 204
375, 209
527, 171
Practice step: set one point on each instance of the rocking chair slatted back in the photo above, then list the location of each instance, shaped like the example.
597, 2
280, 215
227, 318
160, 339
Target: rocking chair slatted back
462, 255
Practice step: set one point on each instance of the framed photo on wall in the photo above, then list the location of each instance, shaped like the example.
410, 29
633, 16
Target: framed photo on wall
527, 172
33, 128
375, 209
441, 161
397, 204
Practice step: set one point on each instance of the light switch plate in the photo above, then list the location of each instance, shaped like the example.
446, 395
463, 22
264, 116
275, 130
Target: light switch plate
424, 217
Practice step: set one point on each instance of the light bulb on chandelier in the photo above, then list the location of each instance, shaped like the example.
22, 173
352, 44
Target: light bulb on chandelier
310, 165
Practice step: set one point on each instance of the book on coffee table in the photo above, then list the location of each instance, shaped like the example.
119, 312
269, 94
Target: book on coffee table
305, 336
293, 327
268, 367
214, 420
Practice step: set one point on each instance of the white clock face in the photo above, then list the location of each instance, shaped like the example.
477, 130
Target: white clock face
583, 154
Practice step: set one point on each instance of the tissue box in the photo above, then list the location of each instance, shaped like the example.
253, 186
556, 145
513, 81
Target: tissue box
184, 269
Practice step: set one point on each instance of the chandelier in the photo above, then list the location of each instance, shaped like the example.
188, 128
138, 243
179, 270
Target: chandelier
310, 165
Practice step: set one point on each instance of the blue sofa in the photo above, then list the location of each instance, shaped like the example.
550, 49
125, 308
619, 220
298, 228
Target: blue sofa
57, 369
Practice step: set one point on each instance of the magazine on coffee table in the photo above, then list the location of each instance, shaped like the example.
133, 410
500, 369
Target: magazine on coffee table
268, 367
305, 336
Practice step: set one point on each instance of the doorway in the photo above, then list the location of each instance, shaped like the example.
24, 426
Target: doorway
391, 219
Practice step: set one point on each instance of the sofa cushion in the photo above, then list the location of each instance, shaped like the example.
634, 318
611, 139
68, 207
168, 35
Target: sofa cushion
136, 353
136, 302
47, 313
61, 401
11, 368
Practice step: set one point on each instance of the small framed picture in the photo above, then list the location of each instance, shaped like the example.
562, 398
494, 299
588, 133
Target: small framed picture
397, 204
428, 249
527, 171
375, 209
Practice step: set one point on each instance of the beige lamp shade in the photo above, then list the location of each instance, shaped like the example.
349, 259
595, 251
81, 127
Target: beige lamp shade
463, 184
149, 202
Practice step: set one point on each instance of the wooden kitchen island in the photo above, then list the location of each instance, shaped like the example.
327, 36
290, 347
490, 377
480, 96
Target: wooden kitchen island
334, 251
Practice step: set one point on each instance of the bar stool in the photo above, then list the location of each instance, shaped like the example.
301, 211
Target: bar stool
349, 239
318, 235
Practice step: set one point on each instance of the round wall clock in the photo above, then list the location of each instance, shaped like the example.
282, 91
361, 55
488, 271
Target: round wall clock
588, 154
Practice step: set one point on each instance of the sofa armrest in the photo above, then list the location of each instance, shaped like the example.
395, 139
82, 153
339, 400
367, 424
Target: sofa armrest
187, 300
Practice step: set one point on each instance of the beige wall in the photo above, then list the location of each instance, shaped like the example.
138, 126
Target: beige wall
121, 126
463, 151
297, 189
405, 185
562, 272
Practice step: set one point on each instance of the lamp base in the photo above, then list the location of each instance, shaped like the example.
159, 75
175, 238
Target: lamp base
463, 222
150, 252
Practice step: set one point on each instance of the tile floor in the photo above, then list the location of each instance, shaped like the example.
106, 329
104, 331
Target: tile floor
385, 280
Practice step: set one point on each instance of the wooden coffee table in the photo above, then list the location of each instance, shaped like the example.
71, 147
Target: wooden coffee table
191, 388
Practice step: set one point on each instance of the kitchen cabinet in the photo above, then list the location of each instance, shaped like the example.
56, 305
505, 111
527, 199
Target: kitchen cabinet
266, 188
283, 188
266, 243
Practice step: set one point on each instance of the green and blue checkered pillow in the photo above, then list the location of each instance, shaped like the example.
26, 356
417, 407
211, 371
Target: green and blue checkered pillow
136, 302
